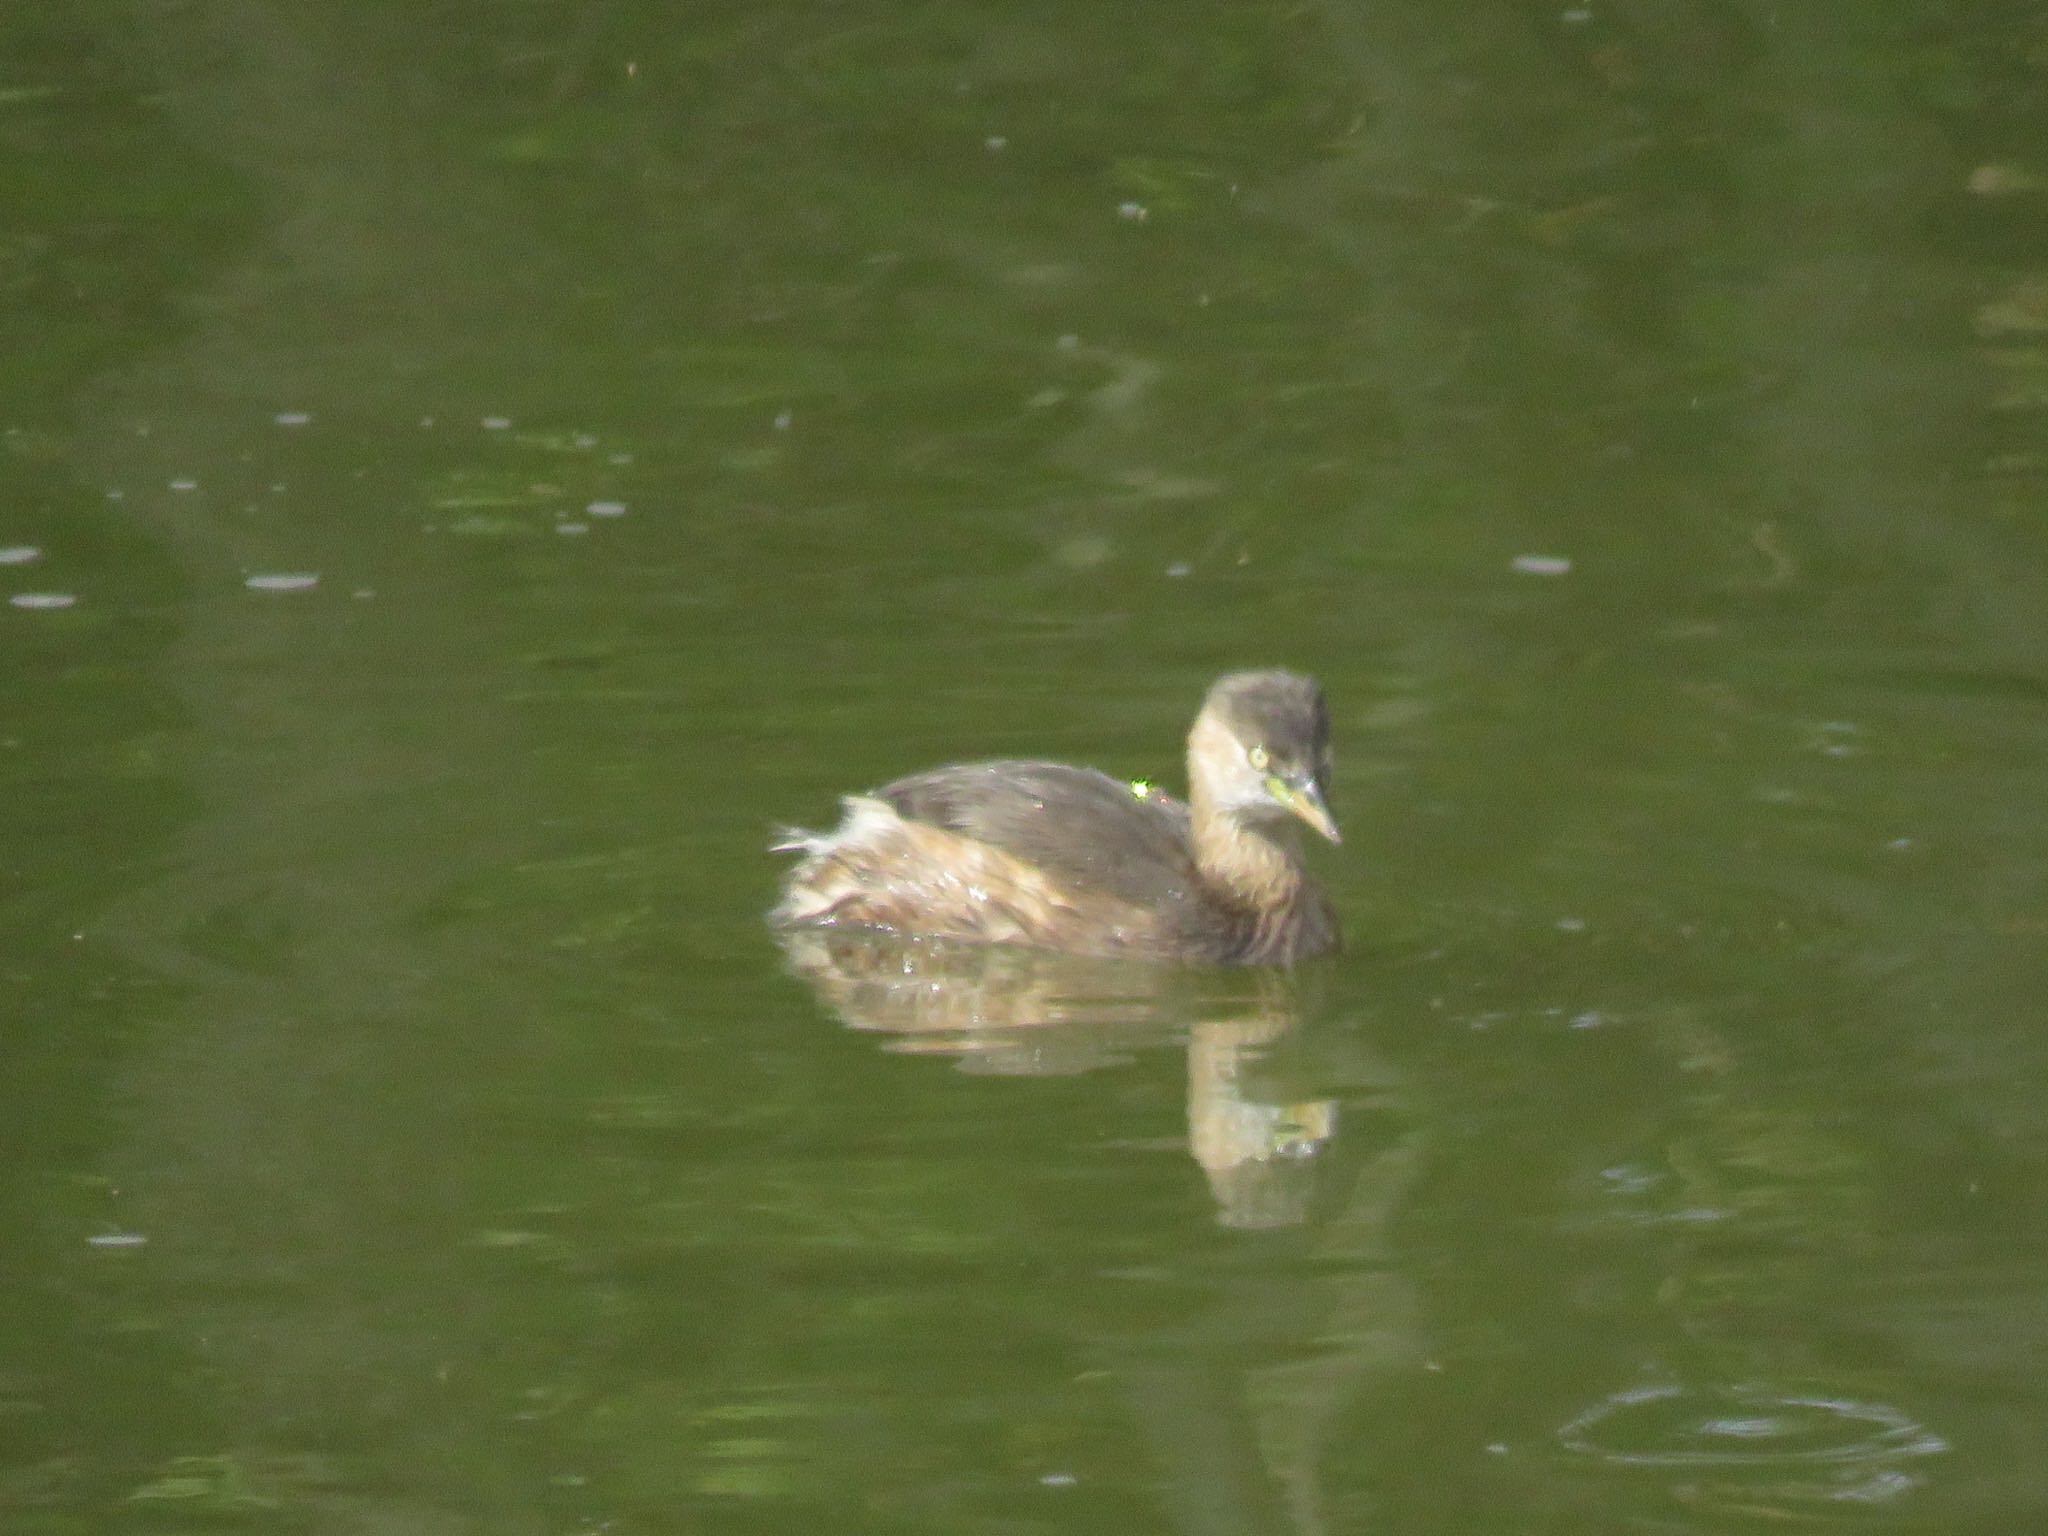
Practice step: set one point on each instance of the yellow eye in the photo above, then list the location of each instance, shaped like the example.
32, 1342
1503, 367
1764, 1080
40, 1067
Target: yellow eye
1258, 757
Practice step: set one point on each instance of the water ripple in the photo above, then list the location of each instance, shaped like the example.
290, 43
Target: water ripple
1743, 1427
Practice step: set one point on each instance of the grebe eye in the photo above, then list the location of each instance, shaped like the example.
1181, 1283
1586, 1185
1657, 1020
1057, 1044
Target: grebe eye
1258, 758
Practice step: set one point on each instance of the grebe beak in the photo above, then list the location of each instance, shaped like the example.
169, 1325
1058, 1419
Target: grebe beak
1304, 799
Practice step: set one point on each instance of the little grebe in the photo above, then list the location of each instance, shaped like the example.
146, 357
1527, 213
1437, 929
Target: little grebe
1071, 859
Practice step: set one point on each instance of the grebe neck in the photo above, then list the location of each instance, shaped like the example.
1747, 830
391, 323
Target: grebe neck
1250, 865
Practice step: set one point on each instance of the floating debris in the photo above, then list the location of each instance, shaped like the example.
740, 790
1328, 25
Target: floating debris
184, 485
995, 141
1137, 213
292, 418
282, 581
117, 1240
572, 527
784, 420
497, 423
19, 554
606, 509
1542, 565
43, 599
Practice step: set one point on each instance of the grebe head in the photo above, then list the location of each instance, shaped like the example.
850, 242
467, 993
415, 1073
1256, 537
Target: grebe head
1260, 750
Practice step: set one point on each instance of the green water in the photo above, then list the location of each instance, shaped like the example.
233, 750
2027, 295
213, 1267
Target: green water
1638, 418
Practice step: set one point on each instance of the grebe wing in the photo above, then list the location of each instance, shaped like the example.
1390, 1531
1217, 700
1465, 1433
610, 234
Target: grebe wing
1084, 829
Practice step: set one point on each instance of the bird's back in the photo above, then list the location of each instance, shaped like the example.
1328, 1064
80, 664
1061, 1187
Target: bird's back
1085, 831
1013, 852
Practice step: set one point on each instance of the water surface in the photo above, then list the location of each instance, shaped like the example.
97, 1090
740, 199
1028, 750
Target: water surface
469, 475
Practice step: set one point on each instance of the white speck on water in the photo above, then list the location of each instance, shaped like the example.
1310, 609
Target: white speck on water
1180, 568
1541, 565
1496, 1449
1838, 738
620, 458
1058, 1480
606, 509
19, 554
292, 418
996, 141
1577, 17
1587, 1020
1899, 844
1571, 925
426, 421
1137, 213
116, 494
117, 1240
572, 528
1067, 343
1629, 1180
184, 485
282, 581
43, 599
584, 440
363, 594
784, 420
496, 423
